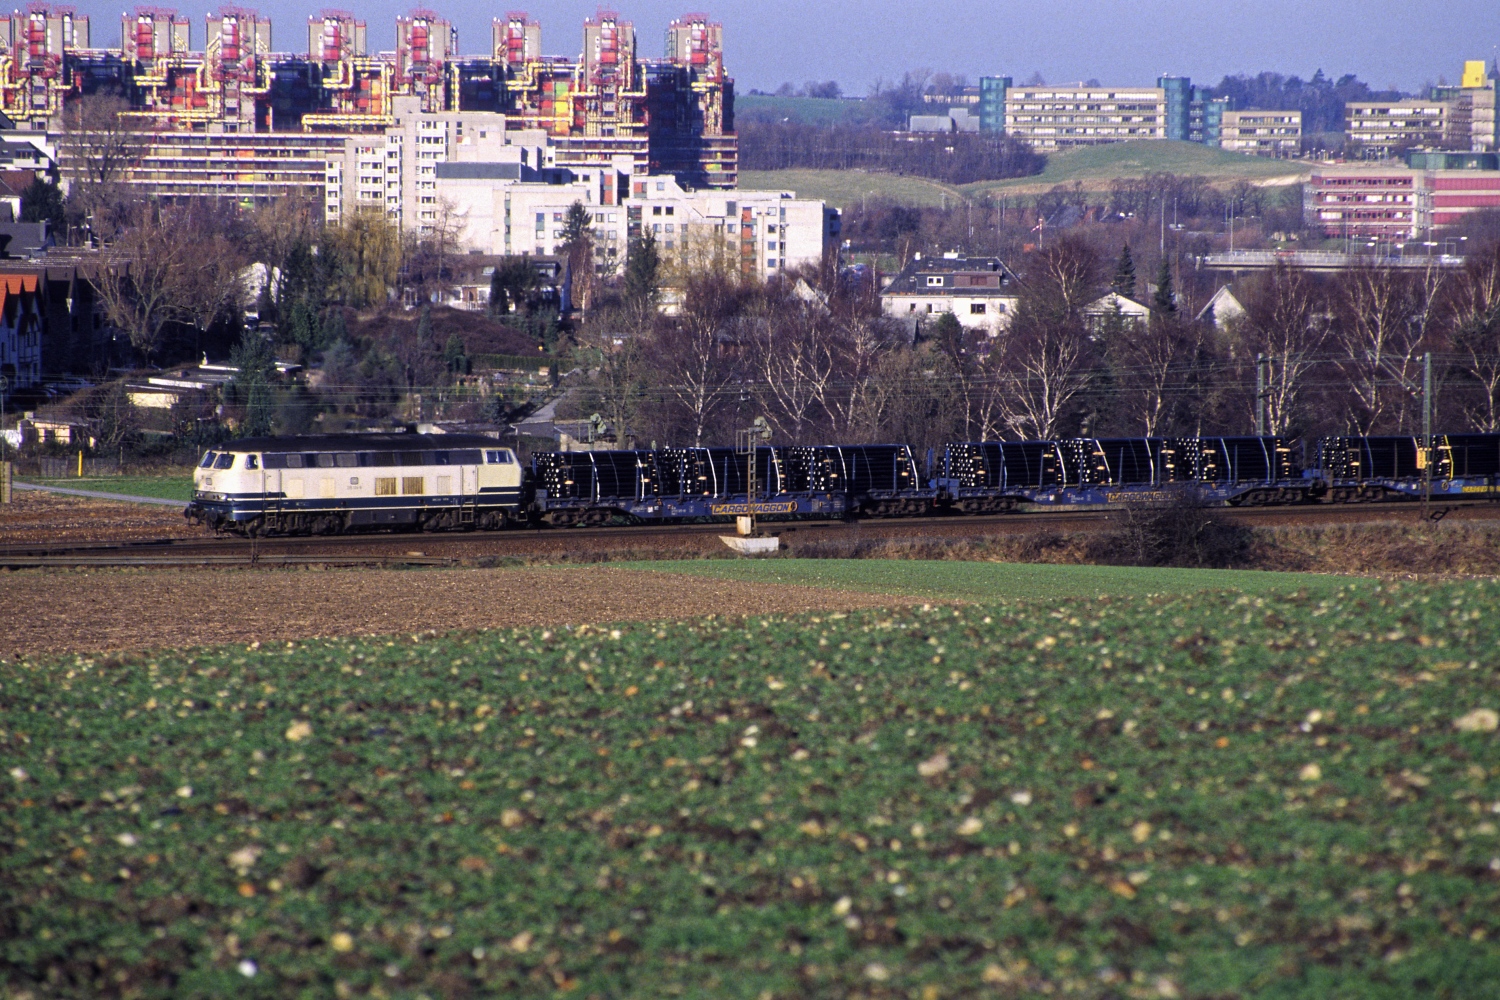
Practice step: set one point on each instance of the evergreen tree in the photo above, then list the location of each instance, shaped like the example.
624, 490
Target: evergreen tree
512, 287
643, 271
455, 357
253, 385
1124, 280
1164, 301
42, 202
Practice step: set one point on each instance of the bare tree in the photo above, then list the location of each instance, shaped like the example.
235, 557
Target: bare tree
854, 351
691, 370
1154, 365
142, 283
1286, 322
1383, 318
98, 144
1475, 322
1045, 366
789, 355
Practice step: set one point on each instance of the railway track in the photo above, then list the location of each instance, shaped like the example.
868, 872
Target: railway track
468, 548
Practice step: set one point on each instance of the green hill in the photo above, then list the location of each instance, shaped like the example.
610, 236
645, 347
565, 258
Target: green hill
1093, 166
802, 110
846, 187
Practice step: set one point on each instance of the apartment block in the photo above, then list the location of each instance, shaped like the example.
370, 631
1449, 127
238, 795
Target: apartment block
673, 114
1433, 191
509, 209
1264, 133
1058, 117
1384, 127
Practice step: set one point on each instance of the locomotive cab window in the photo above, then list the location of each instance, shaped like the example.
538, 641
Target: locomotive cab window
502, 457
252, 461
225, 461
208, 460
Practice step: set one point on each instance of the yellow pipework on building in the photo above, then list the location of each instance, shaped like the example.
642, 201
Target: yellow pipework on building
1474, 74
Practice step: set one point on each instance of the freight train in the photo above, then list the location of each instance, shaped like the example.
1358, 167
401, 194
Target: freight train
330, 484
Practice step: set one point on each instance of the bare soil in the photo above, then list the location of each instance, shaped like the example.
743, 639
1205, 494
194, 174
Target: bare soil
38, 516
100, 610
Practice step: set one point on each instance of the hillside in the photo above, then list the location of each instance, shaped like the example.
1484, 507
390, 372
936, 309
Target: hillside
1094, 167
802, 110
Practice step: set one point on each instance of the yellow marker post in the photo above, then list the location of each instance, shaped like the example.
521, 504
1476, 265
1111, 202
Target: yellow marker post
80, 463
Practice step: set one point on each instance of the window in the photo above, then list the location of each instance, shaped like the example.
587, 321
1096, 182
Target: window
208, 460
670, 210
499, 458
661, 185
224, 461
770, 263
346, 460
385, 486
557, 216
252, 461
976, 308
770, 244
325, 461
935, 282
411, 486
655, 209
913, 307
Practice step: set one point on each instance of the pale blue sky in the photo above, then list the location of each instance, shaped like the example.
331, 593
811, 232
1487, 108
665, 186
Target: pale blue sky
1118, 41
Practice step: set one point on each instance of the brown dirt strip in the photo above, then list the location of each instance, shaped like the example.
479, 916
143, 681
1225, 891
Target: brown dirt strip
50, 612
36, 516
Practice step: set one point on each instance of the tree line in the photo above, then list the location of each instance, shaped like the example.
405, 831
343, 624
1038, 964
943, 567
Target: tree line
955, 158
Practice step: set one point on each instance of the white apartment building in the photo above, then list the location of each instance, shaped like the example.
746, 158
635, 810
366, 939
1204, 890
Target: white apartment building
397, 170
509, 209
1265, 133
1056, 117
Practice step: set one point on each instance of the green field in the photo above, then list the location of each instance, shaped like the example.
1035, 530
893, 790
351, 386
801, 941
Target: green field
165, 487
1175, 796
803, 110
844, 188
988, 581
1093, 166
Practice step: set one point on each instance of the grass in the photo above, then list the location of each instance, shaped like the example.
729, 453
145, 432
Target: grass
1096, 166
1195, 795
843, 188
802, 110
164, 487
989, 581
1093, 166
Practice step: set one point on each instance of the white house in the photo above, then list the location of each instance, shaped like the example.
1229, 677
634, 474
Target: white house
1115, 307
980, 291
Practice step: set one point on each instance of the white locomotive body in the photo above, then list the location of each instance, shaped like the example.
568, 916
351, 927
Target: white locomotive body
327, 484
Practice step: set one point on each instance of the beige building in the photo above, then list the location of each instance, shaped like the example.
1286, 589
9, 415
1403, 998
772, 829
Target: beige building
1264, 133
1386, 126
1056, 117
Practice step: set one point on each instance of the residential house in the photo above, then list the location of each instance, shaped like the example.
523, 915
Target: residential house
1223, 308
980, 291
1114, 308
20, 332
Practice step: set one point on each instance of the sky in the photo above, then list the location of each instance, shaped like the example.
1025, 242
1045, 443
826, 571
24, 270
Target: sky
1129, 42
